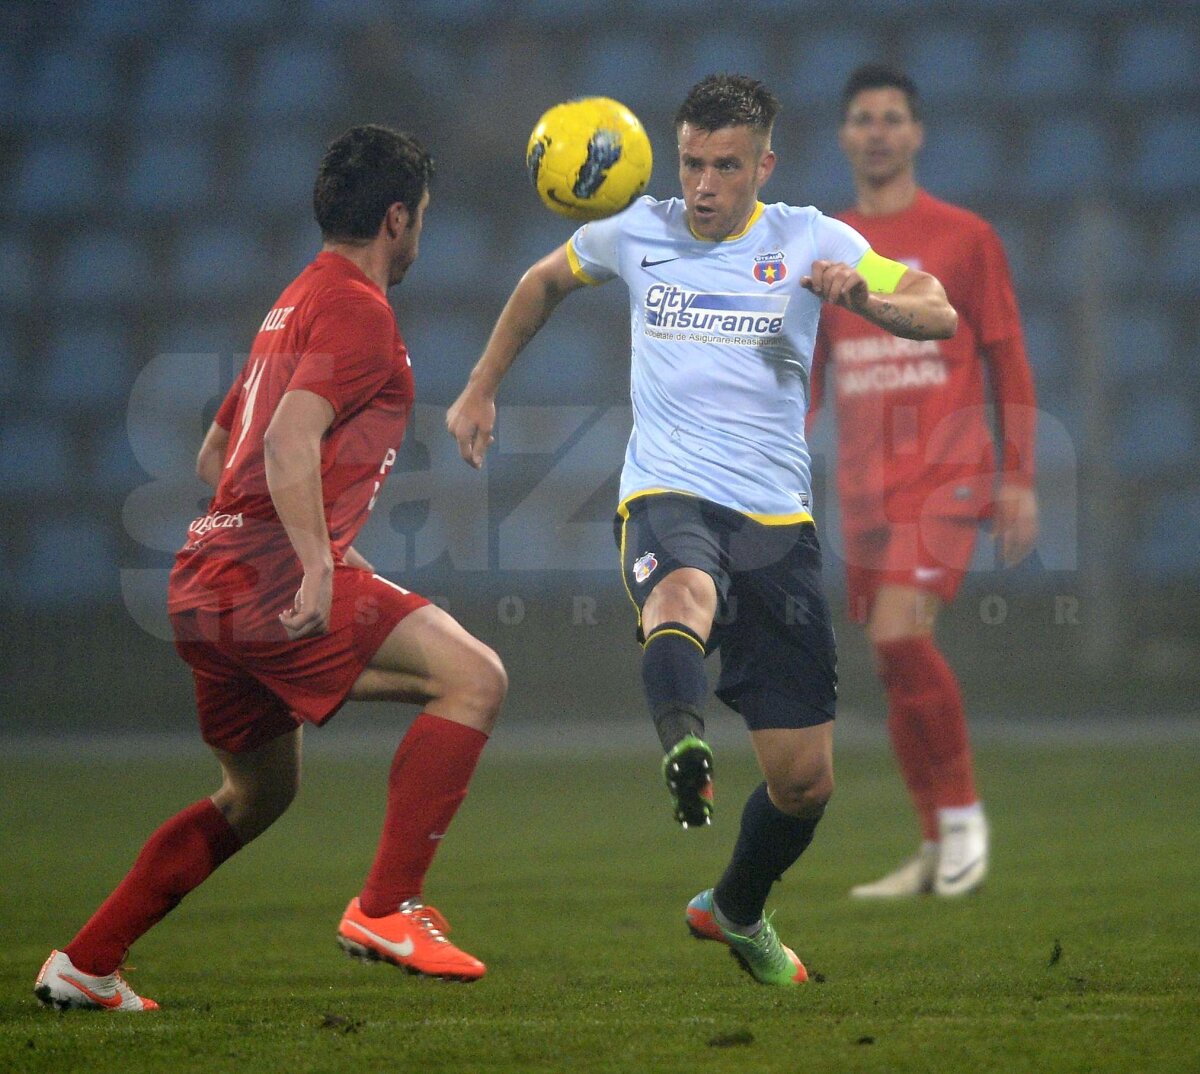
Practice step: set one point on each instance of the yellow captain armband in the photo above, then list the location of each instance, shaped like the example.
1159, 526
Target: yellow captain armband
881, 273
578, 269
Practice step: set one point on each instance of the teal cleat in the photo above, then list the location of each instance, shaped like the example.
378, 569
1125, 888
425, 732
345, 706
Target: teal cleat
687, 771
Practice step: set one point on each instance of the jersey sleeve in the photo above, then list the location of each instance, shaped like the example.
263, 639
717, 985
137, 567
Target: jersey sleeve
349, 356
593, 250
228, 407
992, 303
837, 241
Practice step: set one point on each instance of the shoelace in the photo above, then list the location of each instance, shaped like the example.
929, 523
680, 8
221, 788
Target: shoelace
765, 944
428, 918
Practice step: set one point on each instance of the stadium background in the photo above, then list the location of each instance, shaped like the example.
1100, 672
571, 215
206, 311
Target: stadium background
156, 162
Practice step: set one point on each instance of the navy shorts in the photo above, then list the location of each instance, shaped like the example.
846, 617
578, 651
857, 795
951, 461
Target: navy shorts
772, 628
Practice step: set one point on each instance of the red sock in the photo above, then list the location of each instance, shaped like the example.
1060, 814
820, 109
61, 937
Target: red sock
928, 727
426, 785
178, 857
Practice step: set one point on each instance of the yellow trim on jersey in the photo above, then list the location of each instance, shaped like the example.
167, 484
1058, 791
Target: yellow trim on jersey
763, 520
881, 273
658, 632
577, 270
758, 211
780, 520
628, 592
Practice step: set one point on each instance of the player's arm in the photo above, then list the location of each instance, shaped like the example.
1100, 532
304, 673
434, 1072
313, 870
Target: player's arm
473, 415
292, 453
211, 457
898, 299
1015, 515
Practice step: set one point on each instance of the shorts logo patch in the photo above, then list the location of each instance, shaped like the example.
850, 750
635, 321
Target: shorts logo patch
769, 268
644, 566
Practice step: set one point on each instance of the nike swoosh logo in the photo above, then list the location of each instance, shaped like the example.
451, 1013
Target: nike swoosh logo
400, 950
961, 872
647, 263
110, 1002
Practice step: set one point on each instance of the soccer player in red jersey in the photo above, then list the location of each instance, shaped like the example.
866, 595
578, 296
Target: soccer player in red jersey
282, 621
917, 468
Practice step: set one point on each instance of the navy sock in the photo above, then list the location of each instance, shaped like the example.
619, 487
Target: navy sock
674, 680
767, 845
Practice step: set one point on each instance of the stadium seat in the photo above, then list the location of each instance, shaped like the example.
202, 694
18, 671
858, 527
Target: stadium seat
961, 159
87, 366
1177, 265
114, 469
169, 176
1067, 155
1049, 59
619, 66
69, 560
278, 170
347, 14
1142, 341
10, 363
296, 79
821, 176
26, 444
231, 17
949, 63
719, 50
104, 266
1081, 246
818, 74
1046, 345
1156, 432
1164, 549
457, 12
185, 82
107, 19
218, 260
1156, 56
71, 84
57, 176
16, 281
1168, 161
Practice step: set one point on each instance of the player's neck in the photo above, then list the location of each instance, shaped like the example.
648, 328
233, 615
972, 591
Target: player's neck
370, 259
893, 195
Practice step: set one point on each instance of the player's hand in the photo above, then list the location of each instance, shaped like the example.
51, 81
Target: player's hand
309, 614
837, 282
1015, 522
470, 421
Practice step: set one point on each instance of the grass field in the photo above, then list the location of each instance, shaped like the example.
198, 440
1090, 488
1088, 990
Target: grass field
567, 878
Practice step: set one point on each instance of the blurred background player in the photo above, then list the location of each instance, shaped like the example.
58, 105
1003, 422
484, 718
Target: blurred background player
714, 498
917, 470
282, 621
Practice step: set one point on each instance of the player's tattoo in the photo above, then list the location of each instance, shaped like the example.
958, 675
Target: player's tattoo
897, 321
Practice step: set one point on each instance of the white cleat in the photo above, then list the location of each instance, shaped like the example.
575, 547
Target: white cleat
61, 985
963, 862
914, 877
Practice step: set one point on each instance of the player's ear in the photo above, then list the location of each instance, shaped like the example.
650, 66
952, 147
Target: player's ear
396, 219
766, 166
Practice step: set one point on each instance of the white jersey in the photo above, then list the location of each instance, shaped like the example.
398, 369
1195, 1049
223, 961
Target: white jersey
723, 338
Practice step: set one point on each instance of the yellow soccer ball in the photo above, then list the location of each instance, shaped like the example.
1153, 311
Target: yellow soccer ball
589, 158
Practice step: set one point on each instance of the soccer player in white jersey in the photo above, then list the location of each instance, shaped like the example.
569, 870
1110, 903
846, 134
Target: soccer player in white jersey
717, 542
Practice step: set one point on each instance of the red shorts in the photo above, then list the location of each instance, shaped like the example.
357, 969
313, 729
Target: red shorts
253, 684
932, 554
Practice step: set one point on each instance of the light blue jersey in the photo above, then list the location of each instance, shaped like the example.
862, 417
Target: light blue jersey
723, 338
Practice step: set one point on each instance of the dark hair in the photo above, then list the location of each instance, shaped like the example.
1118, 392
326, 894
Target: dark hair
363, 173
728, 101
881, 76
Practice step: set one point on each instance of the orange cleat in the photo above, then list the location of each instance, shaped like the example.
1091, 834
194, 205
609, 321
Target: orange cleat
413, 938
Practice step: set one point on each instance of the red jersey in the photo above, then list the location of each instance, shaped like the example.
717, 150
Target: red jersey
331, 332
914, 435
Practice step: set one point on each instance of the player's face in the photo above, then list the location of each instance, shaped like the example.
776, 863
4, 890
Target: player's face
408, 241
721, 173
879, 135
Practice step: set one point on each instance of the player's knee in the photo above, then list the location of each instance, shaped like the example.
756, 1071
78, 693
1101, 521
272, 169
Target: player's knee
803, 794
252, 806
478, 687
